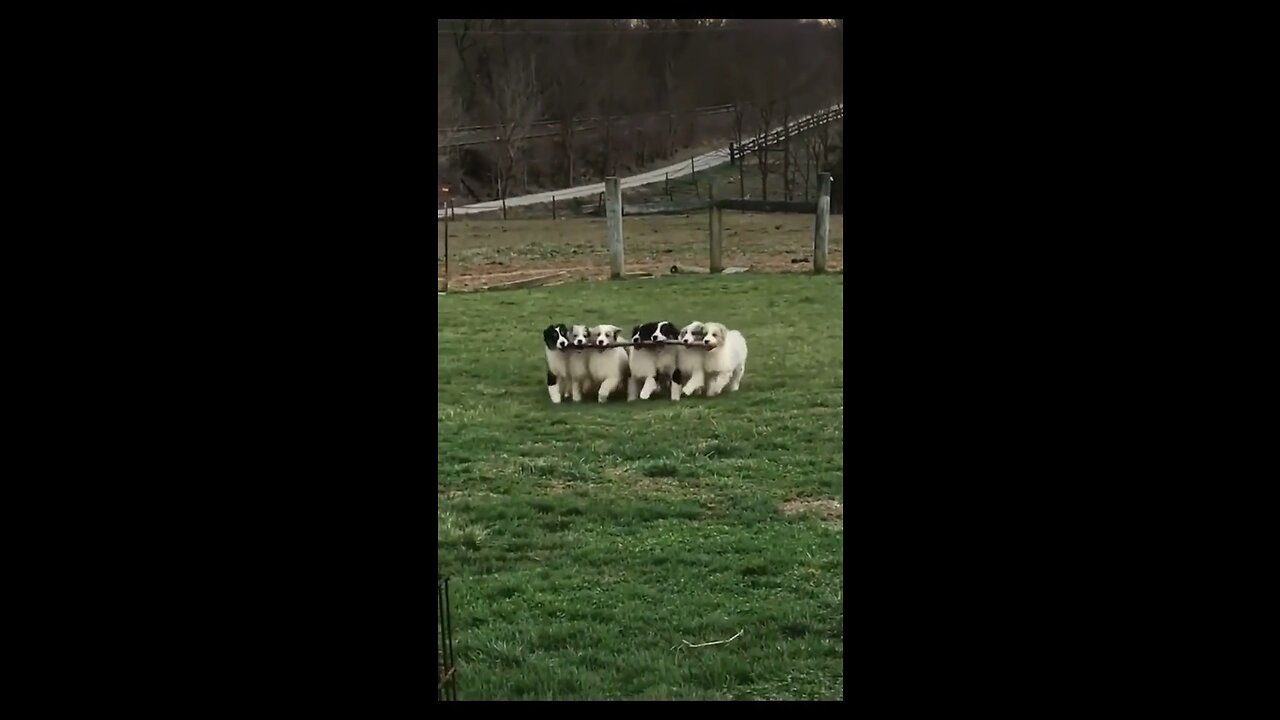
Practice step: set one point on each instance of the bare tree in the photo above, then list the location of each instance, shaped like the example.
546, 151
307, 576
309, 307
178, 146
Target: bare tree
618, 51
513, 95
812, 156
733, 64
623, 92
786, 150
448, 118
568, 94
739, 118
771, 83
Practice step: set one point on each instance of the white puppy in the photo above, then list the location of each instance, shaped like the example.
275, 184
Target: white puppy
608, 368
689, 360
724, 364
580, 382
556, 339
653, 365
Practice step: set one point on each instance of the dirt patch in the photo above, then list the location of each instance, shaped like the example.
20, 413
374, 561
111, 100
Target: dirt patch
831, 512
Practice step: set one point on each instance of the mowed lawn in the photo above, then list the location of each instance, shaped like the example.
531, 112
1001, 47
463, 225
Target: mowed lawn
588, 543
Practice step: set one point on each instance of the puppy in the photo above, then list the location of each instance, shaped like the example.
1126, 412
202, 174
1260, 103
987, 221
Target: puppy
580, 382
608, 367
689, 360
726, 362
556, 338
654, 365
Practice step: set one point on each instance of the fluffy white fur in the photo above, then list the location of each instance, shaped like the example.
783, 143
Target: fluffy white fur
689, 360
580, 382
723, 365
648, 364
607, 368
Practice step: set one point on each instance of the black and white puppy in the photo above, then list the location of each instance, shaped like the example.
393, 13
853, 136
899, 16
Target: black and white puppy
556, 338
652, 362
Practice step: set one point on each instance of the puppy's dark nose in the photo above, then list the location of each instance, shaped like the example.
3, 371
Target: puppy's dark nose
561, 343
602, 342
579, 341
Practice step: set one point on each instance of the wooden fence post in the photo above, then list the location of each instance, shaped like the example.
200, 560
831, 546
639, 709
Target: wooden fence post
613, 211
446, 254
822, 223
553, 207
714, 216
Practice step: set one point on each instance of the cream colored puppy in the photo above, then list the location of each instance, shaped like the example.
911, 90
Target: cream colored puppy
580, 382
608, 368
689, 360
724, 364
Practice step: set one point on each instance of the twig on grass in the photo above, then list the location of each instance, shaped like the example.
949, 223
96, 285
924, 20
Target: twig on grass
705, 644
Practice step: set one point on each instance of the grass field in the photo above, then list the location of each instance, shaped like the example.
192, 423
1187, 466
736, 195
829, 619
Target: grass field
588, 542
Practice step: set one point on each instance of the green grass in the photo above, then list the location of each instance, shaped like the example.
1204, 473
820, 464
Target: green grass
585, 541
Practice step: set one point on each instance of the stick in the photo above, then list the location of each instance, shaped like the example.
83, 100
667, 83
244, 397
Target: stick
696, 346
705, 644
530, 282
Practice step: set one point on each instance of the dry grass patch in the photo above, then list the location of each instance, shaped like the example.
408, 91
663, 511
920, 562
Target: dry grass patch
831, 512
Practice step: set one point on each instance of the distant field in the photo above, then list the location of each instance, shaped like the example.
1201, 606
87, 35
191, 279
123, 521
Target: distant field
488, 252
587, 543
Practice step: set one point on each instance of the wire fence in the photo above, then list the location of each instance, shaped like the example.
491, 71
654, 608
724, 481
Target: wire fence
662, 236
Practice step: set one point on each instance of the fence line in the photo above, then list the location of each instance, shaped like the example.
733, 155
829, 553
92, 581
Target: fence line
820, 209
774, 137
